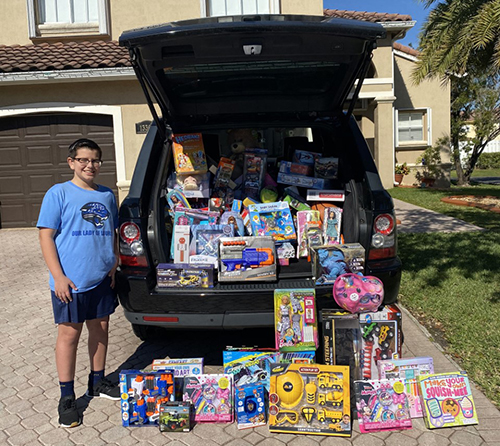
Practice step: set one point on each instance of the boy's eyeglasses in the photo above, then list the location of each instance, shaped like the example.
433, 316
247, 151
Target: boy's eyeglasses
85, 161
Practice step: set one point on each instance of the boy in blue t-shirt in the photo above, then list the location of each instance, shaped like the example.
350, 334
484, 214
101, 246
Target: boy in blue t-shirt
78, 221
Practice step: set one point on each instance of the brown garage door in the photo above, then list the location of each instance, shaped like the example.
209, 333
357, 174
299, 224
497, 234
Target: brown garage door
33, 152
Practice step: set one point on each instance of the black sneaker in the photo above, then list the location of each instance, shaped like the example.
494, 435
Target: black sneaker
68, 415
103, 389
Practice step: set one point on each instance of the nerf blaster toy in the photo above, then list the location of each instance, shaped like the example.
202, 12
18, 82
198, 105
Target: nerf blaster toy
243, 258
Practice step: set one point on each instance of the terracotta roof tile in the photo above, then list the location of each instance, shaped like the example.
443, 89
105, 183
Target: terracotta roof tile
367, 16
62, 56
406, 49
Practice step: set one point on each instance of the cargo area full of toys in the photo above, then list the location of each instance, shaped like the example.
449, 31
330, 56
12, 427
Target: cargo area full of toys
253, 214
326, 369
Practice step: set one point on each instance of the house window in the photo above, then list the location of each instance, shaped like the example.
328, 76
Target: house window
214, 8
413, 127
57, 18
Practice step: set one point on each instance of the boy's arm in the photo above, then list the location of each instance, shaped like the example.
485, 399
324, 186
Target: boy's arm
117, 250
49, 251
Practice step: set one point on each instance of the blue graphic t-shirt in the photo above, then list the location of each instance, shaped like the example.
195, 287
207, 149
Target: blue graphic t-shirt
85, 221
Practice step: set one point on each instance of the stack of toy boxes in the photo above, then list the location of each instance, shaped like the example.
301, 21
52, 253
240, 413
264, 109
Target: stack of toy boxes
142, 393
211, 396
310, 399
253, 212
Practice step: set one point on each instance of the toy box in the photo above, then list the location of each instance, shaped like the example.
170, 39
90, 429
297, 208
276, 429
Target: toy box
298, 357
302, 181
180, 243
182, 275
272, 219
341, 340
295, 169
205, 240
175, 417
199, 188
327, 168
310, 399
325, 195
380, 338
305, 157
181, 368
142, 393
255, 164
211, 396
296, 204
408, 370
249, 366
330, 261
382, 405
447, 400
332, 219
295, 320
189, 153
302, 218
247, 258
250, 405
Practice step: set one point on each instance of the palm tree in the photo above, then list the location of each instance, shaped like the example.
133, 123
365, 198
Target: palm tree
459, 36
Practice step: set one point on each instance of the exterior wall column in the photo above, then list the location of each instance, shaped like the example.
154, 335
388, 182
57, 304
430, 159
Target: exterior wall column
384, 140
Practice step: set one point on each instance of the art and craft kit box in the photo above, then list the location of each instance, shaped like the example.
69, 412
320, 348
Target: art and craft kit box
180, 367
408, 370
447, 400
249, 366
380, 338
175, 417
311, 399
211, 396
296, 325
189, 153
382, 405
272, 219
247, 258
183, 275
250, 403
142, 393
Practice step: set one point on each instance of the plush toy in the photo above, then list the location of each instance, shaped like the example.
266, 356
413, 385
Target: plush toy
239, 140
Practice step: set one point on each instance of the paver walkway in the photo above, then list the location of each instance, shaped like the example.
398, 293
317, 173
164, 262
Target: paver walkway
29, 389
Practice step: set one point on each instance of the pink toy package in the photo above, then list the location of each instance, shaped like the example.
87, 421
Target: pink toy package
211, 396
382, 405
358, 294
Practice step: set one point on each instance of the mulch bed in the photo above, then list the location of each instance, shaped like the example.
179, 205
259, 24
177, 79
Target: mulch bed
488, 203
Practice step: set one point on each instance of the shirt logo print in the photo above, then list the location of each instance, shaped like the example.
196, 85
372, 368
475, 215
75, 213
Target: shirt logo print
95, 213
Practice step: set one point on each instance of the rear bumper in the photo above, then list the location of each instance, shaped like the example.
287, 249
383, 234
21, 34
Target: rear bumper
228, 306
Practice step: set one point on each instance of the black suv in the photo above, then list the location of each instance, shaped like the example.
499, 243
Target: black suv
291, 77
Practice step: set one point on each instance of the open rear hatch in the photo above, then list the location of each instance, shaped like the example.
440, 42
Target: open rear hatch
276, 64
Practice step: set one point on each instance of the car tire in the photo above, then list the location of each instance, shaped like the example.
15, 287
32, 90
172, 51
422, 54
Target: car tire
143, 332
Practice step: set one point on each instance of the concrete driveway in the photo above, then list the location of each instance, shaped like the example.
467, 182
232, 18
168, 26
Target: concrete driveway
29, 387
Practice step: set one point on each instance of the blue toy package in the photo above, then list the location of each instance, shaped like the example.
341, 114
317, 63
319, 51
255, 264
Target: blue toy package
142, 393
249, 366
250, 401
205, 240
254, 171
272, 219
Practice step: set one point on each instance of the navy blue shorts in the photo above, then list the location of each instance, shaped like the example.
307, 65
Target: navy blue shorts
96, 303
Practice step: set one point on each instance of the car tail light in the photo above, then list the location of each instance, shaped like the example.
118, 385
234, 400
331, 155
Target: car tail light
131, 246
383, 237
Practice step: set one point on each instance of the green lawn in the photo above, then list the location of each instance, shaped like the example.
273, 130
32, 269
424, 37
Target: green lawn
451, 283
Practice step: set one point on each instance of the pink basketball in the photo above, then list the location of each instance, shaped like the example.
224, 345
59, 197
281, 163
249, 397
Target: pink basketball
358, 294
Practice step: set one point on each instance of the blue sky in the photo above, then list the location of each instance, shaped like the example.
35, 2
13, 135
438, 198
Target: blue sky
411, 7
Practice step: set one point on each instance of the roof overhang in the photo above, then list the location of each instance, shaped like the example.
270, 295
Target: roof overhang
398, 28
66, 76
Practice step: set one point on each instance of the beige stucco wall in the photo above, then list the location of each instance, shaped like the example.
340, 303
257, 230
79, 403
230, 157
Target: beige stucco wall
429, 94
308, 7
13, 23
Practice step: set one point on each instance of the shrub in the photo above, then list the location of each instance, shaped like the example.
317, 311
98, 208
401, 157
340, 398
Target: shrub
489, 161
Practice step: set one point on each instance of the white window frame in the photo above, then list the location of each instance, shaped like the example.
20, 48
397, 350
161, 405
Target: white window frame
426, 126
37, 30
274, 7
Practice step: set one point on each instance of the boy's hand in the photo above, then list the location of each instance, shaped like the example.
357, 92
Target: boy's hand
62, 289
112, 274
